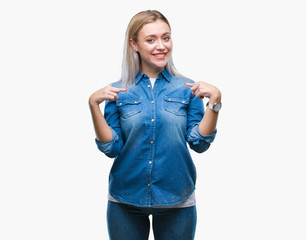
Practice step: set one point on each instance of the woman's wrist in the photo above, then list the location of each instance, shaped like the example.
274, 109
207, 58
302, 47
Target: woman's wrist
93, 104
214, 98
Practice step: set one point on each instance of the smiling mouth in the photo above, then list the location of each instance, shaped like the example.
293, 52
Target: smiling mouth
160, 56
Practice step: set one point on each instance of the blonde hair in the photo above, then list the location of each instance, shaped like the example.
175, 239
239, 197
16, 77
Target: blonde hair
131, 59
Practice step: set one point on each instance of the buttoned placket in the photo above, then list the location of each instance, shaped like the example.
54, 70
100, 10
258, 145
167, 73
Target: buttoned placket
152, 101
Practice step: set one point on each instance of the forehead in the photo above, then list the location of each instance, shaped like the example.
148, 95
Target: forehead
157, 27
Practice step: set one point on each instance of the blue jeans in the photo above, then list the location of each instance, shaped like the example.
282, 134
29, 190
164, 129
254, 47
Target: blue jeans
127, 222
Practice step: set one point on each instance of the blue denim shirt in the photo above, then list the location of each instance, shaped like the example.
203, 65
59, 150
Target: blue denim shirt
151, 128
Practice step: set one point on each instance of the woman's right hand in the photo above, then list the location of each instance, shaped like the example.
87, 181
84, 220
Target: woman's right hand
106, 93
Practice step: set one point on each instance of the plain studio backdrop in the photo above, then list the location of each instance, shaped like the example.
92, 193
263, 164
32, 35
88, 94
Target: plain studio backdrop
54, 54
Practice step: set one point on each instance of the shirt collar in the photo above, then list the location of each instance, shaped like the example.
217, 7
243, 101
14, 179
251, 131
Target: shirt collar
164, 74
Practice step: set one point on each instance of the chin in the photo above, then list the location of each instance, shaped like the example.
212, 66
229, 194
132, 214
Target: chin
160, 68
161, 64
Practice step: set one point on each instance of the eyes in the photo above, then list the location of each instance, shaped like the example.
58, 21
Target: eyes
152, 40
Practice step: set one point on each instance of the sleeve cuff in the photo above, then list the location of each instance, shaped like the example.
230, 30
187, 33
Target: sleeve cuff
196, 136
106, 147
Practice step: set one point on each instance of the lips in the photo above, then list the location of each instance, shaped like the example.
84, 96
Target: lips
160, 56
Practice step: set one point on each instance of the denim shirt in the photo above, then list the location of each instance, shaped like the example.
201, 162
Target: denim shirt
150, 131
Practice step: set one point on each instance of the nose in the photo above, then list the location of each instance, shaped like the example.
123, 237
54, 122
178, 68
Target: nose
160, 45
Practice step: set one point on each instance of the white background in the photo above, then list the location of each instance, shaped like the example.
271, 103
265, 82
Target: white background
53, 54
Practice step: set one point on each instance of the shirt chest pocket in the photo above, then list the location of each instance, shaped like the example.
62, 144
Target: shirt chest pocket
176, 105
129, 107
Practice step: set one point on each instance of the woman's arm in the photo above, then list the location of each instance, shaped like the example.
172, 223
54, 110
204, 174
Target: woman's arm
102, 129
201, 89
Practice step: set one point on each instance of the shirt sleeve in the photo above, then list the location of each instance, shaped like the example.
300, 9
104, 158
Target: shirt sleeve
112, 116
198, 142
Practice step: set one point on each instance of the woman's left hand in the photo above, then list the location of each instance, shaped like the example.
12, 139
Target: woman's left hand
201, 89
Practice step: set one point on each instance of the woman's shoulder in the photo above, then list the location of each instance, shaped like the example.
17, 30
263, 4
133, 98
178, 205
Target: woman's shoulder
117, 84
131, 92
182, 79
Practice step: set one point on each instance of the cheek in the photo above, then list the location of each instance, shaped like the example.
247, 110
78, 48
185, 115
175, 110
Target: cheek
169, 46
144, 50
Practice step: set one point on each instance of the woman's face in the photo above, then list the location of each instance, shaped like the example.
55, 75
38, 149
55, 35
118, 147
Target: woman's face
154, 45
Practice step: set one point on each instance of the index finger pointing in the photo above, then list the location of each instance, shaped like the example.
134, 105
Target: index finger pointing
122, 89
189, 84
117, 90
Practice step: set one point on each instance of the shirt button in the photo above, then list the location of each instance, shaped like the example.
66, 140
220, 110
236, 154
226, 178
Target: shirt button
148, 184
169, 99
183, 101
152, 101
151, 142
150, 162
148, 85
152, 120
135, 102
120, 103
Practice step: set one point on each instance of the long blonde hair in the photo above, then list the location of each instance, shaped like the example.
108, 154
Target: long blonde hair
131, 59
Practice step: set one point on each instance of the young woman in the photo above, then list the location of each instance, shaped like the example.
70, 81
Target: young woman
150, 116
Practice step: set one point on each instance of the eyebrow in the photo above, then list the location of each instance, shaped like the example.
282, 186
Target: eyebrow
152, 35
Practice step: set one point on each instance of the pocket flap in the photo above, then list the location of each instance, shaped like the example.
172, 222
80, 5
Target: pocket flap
177, 99
123, 102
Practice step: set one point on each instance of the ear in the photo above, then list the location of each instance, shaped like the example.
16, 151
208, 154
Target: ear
133, 45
